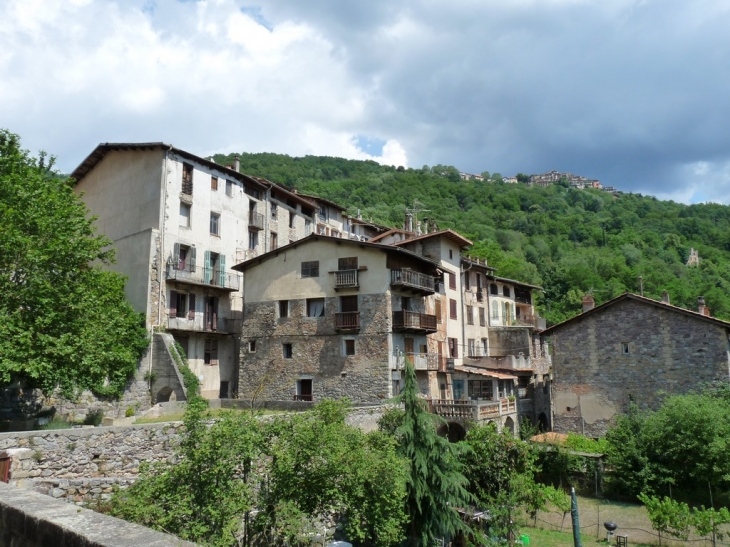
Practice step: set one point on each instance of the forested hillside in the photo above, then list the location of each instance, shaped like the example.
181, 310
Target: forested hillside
568, 241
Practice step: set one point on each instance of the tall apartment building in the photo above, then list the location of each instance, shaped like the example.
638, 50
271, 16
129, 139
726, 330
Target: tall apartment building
178, 223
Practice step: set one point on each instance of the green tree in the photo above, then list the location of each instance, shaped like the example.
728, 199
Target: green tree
64, 321
436, 484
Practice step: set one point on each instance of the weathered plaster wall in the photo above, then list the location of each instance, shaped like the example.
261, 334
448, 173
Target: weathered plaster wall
668, 353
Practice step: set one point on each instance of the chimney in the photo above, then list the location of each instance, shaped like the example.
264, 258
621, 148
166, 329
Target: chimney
237, 164
665, 297
701, 305
408, 226
588, 302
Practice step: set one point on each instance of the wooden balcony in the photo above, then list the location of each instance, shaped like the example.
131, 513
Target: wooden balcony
413, 321
347, 320
412, 281
347, 279
468, 410
255, 220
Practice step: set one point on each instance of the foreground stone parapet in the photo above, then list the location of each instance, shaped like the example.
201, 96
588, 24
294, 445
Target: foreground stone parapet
29, 519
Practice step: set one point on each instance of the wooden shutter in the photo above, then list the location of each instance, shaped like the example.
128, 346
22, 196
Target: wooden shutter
207, 269
191, 260
452, 308
176, 256
173, 304
191, 306
222, 271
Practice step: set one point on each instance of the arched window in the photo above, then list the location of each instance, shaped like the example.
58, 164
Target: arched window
505, 291
493, 289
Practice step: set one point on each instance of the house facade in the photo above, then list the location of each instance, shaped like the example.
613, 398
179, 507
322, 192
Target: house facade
631, 349
178, 223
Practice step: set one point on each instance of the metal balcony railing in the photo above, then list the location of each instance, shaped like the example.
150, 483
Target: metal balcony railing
201, 323
256, 220
410, 279
346, 279
347, 320
203, 276
414, 321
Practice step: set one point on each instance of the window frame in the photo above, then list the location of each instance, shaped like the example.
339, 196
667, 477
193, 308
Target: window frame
215, 224
310, 268
284, 309
214, 183
189, 217
453, 311
308, 307
349, 347
287, 350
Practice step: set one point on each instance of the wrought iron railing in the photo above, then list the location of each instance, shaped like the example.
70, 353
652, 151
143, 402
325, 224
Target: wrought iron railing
203, 276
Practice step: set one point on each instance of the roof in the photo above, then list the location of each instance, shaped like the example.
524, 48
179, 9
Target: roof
630, 296
389, 232
85, 167
477, 262
448, 234
243, 266
484, 372
310, 197
515, 282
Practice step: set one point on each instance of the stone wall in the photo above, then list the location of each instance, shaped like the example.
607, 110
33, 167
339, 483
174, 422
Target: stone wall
88, 452
318, 352
29, 519
632, 350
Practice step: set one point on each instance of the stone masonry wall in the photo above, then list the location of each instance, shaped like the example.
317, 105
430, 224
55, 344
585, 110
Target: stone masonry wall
668, 353
88, 452
318, 352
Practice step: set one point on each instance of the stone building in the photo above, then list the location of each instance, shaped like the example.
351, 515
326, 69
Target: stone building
328, 317
631, 348
178, 223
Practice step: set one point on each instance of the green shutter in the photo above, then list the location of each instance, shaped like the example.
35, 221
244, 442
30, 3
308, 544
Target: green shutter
207, 269
222, 270
191, 261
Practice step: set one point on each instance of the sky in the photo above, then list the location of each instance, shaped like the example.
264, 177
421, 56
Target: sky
634, 93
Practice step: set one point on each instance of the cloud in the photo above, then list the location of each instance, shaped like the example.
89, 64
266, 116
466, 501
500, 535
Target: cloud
629, 92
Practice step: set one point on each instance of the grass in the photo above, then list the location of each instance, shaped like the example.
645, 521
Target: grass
550, 538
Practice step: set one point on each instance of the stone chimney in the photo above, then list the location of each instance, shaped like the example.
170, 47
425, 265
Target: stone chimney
665, 297
701, 305
588, 303
237, 164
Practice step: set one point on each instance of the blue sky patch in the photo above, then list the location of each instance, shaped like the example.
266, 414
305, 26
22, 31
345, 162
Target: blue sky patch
370, 145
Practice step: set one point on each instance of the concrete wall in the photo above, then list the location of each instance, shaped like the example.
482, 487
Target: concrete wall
29, 519
669, 352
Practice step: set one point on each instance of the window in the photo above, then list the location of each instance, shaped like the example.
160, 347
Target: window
252, 346
310, 269
283, 308
481, 389
495, 310
274, 211
505, 291
213, 183
185, 214
452, 281
452, 308
292, 216
224, 392
229, 188
467, 280
625, 348
438, 310
187, 179
482, 318
183, 257
349, 263
215, 224
471, 344
451, 253
214, 269
493, 289
453, 348
349, 347
348, 303
182, 304
287, 351
470, 315
315, 307
253, 239
304, 390
458, 387
307, 227
253, 192
274, 241
210, 357
485, 346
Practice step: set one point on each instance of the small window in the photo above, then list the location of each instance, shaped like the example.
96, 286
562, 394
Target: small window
274, 211
451, 253
349, 347
274, 241
310, 269
292, 216
253, 239
210, 357
453, 348
505, 291
283, 308
452, 308
187, 179
467, 285
287, 351
252, 346
482, 318
452, 281
185, 214
315, 307
485, 346
213, 183
215, 224
470, 315
229, 188
471, 344
625, 348
349, 263
493, 289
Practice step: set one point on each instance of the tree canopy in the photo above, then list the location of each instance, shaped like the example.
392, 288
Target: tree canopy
569, 241
64, 322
